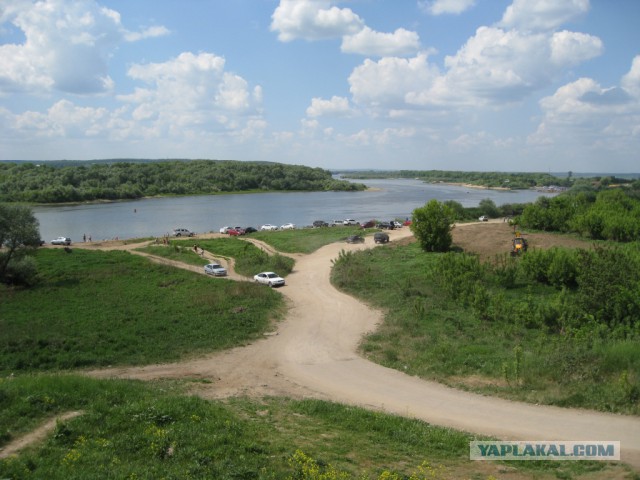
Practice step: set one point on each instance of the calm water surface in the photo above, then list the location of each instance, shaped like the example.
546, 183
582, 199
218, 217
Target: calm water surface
387, 199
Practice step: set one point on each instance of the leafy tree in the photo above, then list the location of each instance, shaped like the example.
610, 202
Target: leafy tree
19, 235
488, 208
432, 226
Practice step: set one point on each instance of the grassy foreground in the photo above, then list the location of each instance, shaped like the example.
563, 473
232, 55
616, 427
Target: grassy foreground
94, 309
132, 430
510, 353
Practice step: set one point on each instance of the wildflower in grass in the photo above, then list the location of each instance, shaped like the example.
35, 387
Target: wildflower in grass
71, 458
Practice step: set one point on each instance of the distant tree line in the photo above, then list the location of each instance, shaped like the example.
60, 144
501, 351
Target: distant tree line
81, 182
513, 180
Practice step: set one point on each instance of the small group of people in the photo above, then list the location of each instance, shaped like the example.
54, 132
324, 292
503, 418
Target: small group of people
198, 250
84, 237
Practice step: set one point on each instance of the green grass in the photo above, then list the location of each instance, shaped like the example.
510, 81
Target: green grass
475, 344
249, 259
130, 429
93, 309
306, 240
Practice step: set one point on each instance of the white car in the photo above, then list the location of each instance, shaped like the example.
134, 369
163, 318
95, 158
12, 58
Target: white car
61, 241
350, 221
288, 226
215, 269
483, 218
225, 230
269, 278
267, 227
182, 232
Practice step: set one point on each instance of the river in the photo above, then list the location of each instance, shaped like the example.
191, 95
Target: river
151, 217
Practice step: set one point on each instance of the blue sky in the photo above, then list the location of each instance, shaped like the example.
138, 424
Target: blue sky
513, 85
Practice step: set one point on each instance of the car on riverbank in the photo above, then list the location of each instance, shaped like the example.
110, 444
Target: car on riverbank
381, 237
355, 239
182, 232
61, 241
269, 278
268, 227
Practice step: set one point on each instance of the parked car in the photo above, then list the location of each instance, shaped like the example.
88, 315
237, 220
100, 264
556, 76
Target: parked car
268, 227
380, 237
385, 226
269, 278
355, 239
350, 221
369, 224
225, 229
215, 269
407, 223
320, 223
182, 232
288, 226
397, 224
483, 218
61, 241
250, 230
236, 231
337, 223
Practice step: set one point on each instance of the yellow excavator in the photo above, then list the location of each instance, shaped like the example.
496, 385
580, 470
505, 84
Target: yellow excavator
519, 244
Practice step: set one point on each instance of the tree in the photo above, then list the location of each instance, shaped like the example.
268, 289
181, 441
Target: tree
488, 208
19, 236
432, 226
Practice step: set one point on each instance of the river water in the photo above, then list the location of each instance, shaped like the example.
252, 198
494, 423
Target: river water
386, 200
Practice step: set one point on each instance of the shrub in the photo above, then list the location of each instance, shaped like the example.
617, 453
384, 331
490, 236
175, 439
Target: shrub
432, 225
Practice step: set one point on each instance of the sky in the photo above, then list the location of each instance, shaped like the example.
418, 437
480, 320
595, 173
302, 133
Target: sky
506, 85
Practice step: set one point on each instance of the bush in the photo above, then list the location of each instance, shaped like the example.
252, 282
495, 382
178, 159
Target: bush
432, 225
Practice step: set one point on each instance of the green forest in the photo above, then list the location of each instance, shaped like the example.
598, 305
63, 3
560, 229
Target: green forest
62, 182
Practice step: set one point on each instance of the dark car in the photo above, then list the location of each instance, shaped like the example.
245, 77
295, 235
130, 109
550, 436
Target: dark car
250, 230
369, 224
385, 226
320, 223
380, 237
355, 239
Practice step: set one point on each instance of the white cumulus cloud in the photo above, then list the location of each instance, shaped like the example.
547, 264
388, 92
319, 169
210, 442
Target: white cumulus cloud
440, 7
313, 20
336, 106
193, 91
370, 42
543, 14
66, 48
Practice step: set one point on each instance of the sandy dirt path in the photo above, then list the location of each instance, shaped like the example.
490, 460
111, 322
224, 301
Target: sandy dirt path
313, 354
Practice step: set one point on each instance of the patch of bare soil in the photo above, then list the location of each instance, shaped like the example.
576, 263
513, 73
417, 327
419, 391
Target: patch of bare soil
36, 435
488, 239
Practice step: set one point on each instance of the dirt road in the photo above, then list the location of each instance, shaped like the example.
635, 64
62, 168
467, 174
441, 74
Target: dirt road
313, 354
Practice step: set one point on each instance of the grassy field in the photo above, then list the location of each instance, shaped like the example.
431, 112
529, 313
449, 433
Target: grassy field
94, 309
249, 259
467, 343
307, 240
136, 430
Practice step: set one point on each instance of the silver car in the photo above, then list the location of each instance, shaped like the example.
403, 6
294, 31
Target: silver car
215, 269
61, 241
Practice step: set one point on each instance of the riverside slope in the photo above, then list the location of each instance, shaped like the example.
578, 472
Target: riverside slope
313, 353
